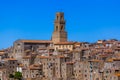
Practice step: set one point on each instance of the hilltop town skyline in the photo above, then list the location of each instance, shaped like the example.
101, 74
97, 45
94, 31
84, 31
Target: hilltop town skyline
86, 21
60, 40
60, 59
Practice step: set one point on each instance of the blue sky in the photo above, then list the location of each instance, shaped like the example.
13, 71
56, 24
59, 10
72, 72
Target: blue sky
87, 20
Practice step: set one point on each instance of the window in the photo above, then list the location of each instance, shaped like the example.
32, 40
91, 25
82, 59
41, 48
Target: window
56, 28
97, 78
56, 48
62, 28
61, 17
79, 71
57, 17
13, 62
59, 46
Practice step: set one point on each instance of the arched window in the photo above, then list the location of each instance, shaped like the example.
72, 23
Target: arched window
56, 28
61, 17
57, 17
62, 28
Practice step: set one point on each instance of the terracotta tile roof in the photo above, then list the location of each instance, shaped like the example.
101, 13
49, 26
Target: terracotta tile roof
61, 50
28, 50
21, 65
109, 60
3, 69
26, 57
115, 59
10, 59
50, 48
2, 50
2, 53
24, 68
94, 60
68, 52
108, 51
60, 56
117, 48
42, 48
43, 57
34, 67
36, 41
77, 50
64, 43
47, 57
37, 65
77, 43
117, 74
85, 49
103, 55
70, 63
109, 42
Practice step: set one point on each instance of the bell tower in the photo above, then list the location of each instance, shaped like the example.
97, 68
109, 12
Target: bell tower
59, 34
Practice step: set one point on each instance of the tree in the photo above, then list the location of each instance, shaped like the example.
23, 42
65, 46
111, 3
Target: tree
11, 76
18, 75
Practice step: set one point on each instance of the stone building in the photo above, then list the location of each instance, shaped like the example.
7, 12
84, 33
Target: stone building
33, 71
67, 71
12, 65
3, 54
78, 70
26, 61
3, 74
25, 47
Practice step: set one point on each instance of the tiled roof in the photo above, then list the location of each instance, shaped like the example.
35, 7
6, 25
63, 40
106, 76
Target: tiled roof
28, 50
61, 57
78, 43
85, 49
44, 48
3, 69
109, 60
108, 51
2, 53
94, 60
115, 59
34, 67
26, 57
36, 41
2, 50
118, 74
10, 59
64, 43
43, 57
117, 48
70, 63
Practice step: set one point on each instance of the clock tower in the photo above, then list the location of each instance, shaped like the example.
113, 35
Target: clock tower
59, 34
